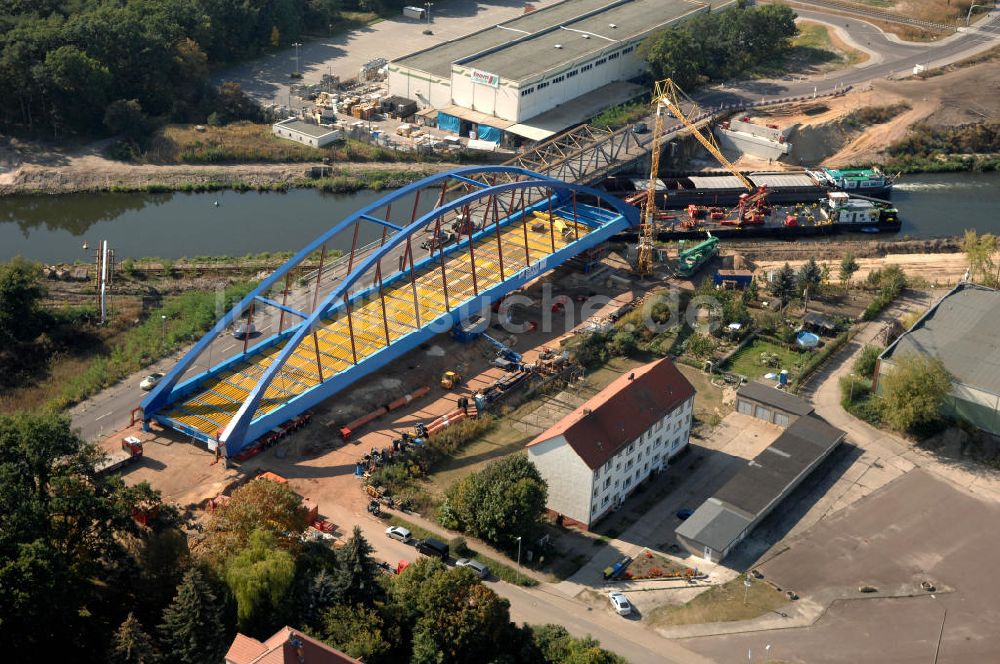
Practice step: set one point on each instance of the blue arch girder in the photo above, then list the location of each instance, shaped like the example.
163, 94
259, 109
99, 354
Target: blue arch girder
242, 429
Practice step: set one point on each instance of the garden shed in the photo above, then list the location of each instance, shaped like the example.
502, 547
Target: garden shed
770, 404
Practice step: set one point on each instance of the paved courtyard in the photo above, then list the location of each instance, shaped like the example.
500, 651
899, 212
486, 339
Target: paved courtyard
917, 528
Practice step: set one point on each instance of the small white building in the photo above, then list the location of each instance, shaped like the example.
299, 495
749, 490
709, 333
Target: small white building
597, 455
306, 133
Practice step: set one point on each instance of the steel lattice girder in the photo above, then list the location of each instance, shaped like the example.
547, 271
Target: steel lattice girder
244, 428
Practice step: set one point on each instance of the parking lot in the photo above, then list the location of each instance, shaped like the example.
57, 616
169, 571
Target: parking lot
917, 528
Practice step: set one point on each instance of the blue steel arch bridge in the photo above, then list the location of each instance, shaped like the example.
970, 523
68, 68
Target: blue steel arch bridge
388, 278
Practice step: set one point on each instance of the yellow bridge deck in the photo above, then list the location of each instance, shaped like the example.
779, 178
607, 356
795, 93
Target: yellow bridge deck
215, 403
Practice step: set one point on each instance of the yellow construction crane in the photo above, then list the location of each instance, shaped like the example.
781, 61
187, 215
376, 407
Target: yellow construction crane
666, 95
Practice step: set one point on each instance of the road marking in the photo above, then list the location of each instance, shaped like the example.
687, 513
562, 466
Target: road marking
100, 417
228, 347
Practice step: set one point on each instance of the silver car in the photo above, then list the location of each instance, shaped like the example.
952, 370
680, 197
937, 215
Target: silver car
620, 604
482, 570
398, 533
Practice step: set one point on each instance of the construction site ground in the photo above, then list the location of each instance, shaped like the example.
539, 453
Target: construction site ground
317, 463
961, 95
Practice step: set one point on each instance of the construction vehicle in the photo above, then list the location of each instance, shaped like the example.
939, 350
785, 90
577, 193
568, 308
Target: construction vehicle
667, 97
504, 351
131, 452
689, 260
450, 380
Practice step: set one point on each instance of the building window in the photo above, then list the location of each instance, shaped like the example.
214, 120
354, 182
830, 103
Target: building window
597, 490
600, 62
544, 84
656, 458
645, 466
558, 79
607, 483
628, 480
628, 50
605, 501
587, 67
628, 465
571, 74
527, 91
612, 56
675, 443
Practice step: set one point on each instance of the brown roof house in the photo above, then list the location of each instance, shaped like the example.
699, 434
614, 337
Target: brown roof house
595, 457
287, 646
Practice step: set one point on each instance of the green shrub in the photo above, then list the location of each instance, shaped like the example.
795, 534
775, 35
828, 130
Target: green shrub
864, 364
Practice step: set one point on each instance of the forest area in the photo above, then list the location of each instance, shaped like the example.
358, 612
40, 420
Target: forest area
103, 67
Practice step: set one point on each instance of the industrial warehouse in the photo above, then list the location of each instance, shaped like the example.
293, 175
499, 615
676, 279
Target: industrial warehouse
535, 75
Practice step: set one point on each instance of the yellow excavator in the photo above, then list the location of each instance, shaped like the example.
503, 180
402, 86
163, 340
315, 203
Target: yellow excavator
450, 380
667, 97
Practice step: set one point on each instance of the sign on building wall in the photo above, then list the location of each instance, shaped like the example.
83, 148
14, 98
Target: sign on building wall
485, 78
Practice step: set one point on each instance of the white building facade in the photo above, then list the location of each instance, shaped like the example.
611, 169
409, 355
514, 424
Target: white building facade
597, 456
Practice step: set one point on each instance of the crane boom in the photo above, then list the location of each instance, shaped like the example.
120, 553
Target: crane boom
667, 93
647, 230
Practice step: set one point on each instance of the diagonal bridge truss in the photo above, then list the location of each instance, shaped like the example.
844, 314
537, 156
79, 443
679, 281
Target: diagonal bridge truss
378, 283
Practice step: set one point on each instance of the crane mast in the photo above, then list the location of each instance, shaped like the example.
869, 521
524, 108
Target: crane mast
666, 95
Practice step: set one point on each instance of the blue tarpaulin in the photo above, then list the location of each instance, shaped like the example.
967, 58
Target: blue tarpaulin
449, 122
487, 133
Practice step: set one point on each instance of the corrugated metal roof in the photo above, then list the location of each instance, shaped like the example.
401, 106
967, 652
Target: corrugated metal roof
716, 182
772, 396
961, 329
779, 180
714, 524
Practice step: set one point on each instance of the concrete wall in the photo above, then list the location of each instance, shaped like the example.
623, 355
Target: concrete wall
569, 479
425, 89
500, 101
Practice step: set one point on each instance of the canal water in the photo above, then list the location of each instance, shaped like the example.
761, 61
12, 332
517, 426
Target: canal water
53, 228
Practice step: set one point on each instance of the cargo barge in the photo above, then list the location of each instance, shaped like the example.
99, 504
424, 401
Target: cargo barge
724, 189
837, 212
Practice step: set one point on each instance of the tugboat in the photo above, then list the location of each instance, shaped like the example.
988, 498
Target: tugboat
870, 181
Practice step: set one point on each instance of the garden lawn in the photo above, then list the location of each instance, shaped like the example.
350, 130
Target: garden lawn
722, 603
747, 361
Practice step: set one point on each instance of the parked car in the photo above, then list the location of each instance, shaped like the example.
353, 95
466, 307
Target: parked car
434, 548
684, 513
620, 604
640, 128
244, 330
150, 381
482, 570
398, 533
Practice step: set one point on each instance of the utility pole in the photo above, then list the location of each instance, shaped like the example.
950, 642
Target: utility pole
519, 558
296, 45
163, 333
746, 590
431, 4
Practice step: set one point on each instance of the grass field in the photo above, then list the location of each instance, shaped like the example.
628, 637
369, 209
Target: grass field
817, 48
247, 142
499, 569
723, 603
708, 398
747, 361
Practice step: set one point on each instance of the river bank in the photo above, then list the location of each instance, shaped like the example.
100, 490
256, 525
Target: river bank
42, 172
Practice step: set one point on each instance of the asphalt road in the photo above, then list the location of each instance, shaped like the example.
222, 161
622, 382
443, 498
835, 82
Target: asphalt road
541, 604
896, 59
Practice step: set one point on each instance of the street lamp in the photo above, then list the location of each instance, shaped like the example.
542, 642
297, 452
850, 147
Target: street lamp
519, 558
852, 376
163, 333
968, 17
431, 4
296, 45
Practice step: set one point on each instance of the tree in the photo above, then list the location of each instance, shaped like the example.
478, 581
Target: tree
260, 576
77, 86
125, 117
359, 631
810, 276
258, 504
979, 251
783, 286
864, 364
450, 614
674, 53
61, 527
913, 391
501, 502
558, 646
357, 570
848, 266
132, 645
21, 291
195, 628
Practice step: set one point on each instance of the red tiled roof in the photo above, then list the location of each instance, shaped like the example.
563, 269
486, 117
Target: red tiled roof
621, 412
287, 646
